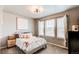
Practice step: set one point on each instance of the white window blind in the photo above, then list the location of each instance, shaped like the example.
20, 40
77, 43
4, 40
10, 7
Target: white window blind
22, 24
50, 27
41, 28
61, 27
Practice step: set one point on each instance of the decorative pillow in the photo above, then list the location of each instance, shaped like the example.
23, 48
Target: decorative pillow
25, 35
21, 36
16, 35
29, 35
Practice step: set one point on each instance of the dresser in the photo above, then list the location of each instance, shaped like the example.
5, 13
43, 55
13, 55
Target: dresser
11, 41
73, 42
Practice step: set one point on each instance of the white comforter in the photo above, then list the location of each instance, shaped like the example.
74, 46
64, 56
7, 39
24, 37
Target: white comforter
32, 43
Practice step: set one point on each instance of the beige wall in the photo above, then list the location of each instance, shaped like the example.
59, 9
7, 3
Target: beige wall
73, 19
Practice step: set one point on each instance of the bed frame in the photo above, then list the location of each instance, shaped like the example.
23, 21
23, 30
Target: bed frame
34, 50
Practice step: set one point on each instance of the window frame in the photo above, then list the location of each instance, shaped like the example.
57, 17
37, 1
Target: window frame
43, 28
55, 18
65, 28
57, 29
54, 27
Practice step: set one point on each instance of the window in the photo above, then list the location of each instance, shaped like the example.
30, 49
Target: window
61, 27
22, 24
50, 27
41, 28
53, 27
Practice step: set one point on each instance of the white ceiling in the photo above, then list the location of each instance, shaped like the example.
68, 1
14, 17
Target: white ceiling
25, 10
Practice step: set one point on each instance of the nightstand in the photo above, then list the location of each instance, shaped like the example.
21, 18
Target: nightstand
11, 41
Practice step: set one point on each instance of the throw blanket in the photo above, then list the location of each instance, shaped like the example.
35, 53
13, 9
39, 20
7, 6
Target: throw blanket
31, 43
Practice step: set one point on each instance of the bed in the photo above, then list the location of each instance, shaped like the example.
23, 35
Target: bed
31, 45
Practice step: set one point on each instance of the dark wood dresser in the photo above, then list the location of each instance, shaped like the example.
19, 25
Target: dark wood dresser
73, 42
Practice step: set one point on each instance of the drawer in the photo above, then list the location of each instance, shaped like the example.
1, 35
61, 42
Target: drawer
11, 41
10, 45
11, 37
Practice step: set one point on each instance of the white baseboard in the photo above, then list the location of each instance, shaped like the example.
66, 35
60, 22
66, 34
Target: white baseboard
2, 47
58, 45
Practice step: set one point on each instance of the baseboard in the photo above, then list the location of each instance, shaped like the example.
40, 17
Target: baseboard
58, 45
2, 48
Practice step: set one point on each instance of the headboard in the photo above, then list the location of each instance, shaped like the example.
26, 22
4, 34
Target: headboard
18, 33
